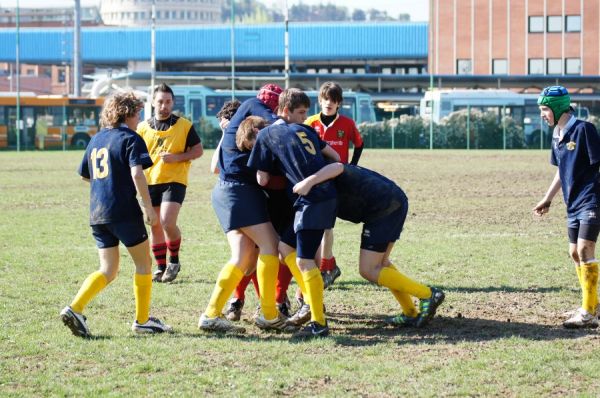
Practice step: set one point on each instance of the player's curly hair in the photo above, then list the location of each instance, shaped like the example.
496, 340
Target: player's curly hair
246, 133
228, 109
118, 107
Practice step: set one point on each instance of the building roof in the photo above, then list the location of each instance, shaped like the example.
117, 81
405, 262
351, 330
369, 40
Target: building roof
314, 41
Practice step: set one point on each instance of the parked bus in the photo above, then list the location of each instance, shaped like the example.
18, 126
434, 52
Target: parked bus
200, 104
48, 121
522, 108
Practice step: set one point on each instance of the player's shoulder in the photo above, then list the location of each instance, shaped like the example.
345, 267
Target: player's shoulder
346, 120
143, 126
311, 119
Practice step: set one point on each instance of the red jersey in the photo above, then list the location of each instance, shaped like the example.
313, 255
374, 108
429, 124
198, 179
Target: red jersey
338, 134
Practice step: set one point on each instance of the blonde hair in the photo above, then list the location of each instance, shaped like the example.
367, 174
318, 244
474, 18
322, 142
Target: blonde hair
118, 107
247, 132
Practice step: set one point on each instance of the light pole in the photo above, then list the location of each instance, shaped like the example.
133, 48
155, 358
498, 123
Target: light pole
18, 62
287, 46
77, 49
232, 49
153, 49
430, 67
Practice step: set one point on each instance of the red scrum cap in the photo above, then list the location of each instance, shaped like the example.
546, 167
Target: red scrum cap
269, 95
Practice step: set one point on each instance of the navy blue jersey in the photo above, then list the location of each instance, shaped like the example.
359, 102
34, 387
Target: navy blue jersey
365, 196
232, 162
296, 149
577, 156
107, 163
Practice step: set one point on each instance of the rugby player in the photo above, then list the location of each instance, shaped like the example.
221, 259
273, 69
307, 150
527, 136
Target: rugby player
576, 153
113, 165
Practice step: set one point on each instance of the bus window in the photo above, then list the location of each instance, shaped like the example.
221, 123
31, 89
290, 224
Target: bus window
75, 116
365, 112
195, 109
179, 105
2, 115
215, 103
347, 108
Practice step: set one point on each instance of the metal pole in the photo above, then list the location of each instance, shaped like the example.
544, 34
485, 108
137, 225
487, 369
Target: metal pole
153, 49
541, 133
232, 49
287, 46
468, 122
468, 127
503, 127
77, 49
393, 129
430, 67
18, 62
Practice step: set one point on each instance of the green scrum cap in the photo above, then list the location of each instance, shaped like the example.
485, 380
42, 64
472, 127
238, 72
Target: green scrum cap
556, 98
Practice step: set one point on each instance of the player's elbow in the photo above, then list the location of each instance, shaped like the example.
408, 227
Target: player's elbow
262, 178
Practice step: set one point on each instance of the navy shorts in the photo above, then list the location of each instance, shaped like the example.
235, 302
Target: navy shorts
320, 215
239, 205
131, 233
171, 192
378, 234
584, 224
308, 242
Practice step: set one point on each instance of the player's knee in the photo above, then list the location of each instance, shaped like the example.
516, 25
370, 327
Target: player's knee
585, 252
366, 274
574, 254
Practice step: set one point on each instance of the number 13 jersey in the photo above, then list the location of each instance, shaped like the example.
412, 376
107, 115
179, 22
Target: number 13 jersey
107, 163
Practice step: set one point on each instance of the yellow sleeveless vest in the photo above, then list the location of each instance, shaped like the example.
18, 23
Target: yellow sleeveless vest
173, 141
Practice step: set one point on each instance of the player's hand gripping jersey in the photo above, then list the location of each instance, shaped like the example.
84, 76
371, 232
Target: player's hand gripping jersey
297, 151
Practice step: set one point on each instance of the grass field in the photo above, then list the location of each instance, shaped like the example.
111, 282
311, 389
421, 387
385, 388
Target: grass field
507, 276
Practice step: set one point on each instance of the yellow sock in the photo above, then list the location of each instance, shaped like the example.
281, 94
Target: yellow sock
589, 277
578, 270
227, 280
290, 261
267, 268
92, 285
393, 279
314, 288
406, 302
142, 290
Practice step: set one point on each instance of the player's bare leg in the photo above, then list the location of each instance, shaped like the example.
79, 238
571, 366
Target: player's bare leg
587, 273
169, 212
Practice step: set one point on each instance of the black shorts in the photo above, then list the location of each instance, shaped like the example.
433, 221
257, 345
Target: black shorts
131, 233
281, 209
171, 192
239, 205
584, 224
378, 234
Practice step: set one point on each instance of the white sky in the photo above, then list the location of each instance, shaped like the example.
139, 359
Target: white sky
418, 9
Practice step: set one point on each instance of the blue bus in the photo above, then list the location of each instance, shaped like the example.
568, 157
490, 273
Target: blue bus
201, 104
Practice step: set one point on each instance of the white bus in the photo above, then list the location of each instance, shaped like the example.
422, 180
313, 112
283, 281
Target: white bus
522, 108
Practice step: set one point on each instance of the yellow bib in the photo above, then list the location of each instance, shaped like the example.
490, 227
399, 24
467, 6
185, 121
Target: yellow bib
173, 141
